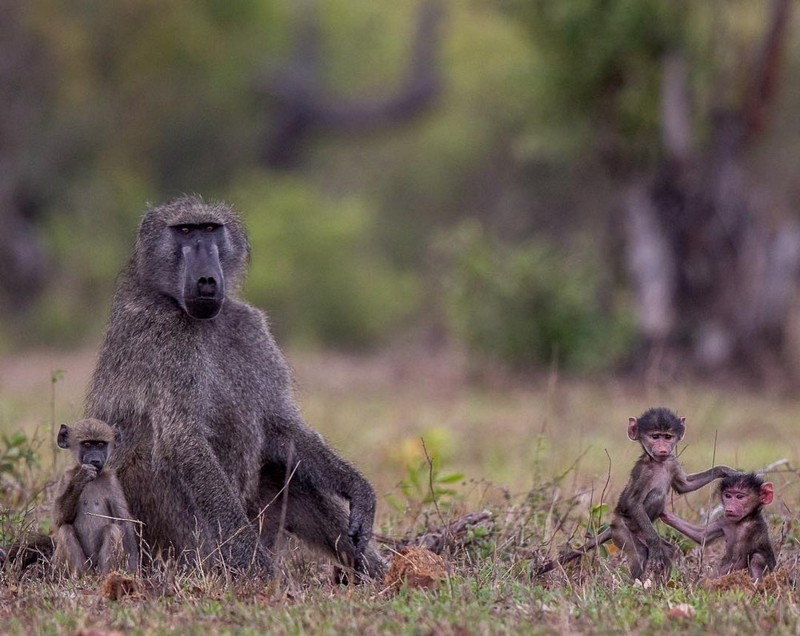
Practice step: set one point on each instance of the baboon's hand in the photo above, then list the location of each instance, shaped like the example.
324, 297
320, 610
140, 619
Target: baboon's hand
248, 555
362, 515
727, 471
86, 473
661, 558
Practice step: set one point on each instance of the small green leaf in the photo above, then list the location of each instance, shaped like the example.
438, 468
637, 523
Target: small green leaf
450, 479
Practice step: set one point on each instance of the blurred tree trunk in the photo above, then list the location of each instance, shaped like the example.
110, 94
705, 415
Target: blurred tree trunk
25, 83
711, 272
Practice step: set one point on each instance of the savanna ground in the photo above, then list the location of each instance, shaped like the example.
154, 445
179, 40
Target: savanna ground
540, 454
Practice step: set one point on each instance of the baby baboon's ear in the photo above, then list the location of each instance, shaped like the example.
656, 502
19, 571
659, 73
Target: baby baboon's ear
63, 436
767, 493
633, 429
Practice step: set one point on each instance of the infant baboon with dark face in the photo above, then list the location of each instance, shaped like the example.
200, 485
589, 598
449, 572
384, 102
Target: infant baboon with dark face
747, 542
191, 376
90, 508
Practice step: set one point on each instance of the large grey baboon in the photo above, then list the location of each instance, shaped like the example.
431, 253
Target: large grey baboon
90, 510
204, 398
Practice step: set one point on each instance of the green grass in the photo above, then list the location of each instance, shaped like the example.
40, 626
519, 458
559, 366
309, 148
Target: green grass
537, 452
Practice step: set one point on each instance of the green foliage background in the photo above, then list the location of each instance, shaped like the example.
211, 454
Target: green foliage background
144, 100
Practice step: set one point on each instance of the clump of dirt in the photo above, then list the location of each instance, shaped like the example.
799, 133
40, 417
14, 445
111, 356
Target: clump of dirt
740, 579
772, 583
415, 568
116, 586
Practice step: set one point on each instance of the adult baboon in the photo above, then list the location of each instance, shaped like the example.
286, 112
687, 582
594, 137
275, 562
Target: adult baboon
193, 378
90, 507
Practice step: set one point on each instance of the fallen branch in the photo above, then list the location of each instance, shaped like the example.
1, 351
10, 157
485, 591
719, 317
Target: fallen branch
437, 539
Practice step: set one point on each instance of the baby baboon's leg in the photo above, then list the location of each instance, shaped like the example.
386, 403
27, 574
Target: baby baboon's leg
635, 552
111, 556
69, 554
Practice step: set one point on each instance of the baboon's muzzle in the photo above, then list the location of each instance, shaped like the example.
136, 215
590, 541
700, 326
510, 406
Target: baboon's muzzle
204, 286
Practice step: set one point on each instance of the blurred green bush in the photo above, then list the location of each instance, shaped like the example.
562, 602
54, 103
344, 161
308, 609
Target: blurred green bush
316, 267
530, 304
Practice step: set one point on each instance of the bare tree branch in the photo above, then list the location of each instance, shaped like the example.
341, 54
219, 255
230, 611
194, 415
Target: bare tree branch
303, 107
766, 76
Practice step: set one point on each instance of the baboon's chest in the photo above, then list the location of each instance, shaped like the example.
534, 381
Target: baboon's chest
656, 497
232, 404
93, 513
235, 430
93, 499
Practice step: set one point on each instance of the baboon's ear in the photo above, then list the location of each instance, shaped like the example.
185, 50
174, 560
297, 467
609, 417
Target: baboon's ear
767, 493
63, 436
117, 436
633, 429
683, 432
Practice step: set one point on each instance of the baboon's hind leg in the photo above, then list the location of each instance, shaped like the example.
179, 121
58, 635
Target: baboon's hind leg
318, 519
69, 554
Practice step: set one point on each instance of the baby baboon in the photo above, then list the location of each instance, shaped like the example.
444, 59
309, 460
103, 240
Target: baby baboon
204, 398
89, 505
747, 543
656, 472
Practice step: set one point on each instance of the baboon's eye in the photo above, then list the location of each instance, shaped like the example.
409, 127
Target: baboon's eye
210, 228
86, 444
184, 229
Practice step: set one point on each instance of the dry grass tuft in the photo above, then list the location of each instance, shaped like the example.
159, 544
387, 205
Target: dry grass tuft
778, 582
116, 586
739, 580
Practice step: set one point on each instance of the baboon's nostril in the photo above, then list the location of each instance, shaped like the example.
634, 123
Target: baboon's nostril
207, 287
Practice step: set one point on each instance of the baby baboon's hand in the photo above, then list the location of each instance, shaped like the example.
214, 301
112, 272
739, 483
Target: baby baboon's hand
667, 517
727, 471
87, 473
661, 558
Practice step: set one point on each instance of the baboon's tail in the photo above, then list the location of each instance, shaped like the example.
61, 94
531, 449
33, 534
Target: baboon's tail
565, 558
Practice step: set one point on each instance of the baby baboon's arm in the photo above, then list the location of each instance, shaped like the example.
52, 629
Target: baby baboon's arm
683, 483
72, 484
698, 534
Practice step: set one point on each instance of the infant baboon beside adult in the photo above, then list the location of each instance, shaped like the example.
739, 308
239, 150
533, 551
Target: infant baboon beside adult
204, 398
90, 508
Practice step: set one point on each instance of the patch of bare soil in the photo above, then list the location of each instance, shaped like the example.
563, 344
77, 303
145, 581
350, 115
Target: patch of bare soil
31, 371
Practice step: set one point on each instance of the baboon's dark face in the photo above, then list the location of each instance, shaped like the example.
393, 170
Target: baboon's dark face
203, 281
93, 452
89, 441
193, 252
